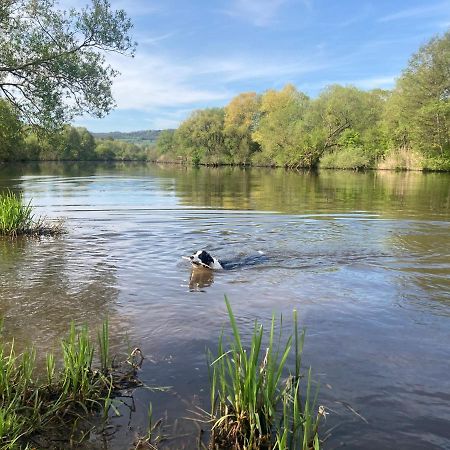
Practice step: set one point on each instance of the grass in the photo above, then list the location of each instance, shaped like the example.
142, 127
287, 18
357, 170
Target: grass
33, 406
17, 218
256, 401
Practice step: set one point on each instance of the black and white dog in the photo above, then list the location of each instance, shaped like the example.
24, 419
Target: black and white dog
203, 259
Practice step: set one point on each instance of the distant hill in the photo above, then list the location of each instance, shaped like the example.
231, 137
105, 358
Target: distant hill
136, 137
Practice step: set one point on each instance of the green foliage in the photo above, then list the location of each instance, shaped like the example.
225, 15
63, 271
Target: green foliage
110, 150
281, 128
15, 217
29, 406
241, 119
418, 113
201, 137
10, 133
165, 145
285, 128
343, 128
135, 137
349, 158
48, 56
253, 404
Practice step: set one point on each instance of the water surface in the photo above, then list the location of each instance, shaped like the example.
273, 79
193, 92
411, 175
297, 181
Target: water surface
364, 258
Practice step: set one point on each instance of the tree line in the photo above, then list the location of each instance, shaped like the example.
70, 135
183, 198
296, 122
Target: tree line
23, 143
407, 127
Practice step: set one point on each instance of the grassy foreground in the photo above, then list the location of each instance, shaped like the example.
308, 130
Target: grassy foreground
256, 402
17, 218
36, 406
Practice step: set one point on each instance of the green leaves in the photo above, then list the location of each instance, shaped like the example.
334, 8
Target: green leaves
255, 399
48, 56
419, 109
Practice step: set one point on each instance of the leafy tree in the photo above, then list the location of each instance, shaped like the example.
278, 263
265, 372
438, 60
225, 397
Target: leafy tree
105, 150
70, 144
418, 112
52, 62
166, 142
280, 131
201, 136
10, 132
241, 118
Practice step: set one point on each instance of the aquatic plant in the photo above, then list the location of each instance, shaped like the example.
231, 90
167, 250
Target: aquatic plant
31, 404
256, 402
17, 218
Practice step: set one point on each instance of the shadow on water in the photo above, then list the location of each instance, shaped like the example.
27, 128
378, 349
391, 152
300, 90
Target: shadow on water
362, 257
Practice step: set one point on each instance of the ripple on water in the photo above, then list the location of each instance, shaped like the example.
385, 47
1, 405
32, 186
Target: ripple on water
368, 276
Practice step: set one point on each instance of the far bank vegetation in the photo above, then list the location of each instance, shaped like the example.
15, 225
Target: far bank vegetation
344, 127
406, 128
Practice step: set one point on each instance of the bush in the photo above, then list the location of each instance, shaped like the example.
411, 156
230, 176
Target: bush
349, 158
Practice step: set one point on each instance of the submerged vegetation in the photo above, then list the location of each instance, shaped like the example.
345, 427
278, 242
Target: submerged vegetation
256, 403
36, 407
17, 218
344, 127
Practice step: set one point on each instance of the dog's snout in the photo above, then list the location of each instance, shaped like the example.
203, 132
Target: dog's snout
191, 257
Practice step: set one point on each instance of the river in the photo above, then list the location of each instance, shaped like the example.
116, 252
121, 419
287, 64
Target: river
363, 257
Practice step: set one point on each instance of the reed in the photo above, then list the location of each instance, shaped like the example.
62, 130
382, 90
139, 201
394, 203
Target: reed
17, 218
256, 401
103, 346
31, 404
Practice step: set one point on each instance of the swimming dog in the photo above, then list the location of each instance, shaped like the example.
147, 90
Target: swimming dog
203, 259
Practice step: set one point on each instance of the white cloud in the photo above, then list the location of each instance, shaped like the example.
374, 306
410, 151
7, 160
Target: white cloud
143, 39
374, 82
150, 81
379, 82
240, 68
258, 12
420, 11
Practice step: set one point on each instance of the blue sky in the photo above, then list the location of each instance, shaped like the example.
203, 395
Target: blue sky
197, 54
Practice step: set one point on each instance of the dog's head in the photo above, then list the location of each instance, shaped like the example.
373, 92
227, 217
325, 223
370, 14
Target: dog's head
204, 259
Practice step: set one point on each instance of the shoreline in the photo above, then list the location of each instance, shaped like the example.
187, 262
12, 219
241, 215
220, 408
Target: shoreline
4, 164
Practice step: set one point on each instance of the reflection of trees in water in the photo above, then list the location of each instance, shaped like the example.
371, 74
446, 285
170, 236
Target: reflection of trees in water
311, 192
45, 284
68, 169
394, 193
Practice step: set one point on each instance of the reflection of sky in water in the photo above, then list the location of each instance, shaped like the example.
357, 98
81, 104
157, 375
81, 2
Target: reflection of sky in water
363, 258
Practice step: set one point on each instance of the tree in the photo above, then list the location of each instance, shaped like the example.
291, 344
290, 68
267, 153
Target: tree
280, 130
10, 132
241, 118
52, 62
419, 111
166, 142
202, 136
87, 145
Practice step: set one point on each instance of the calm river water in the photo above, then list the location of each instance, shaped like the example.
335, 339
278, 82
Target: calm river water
364, 258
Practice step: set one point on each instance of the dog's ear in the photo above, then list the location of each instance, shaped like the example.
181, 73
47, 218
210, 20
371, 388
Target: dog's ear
205, 258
